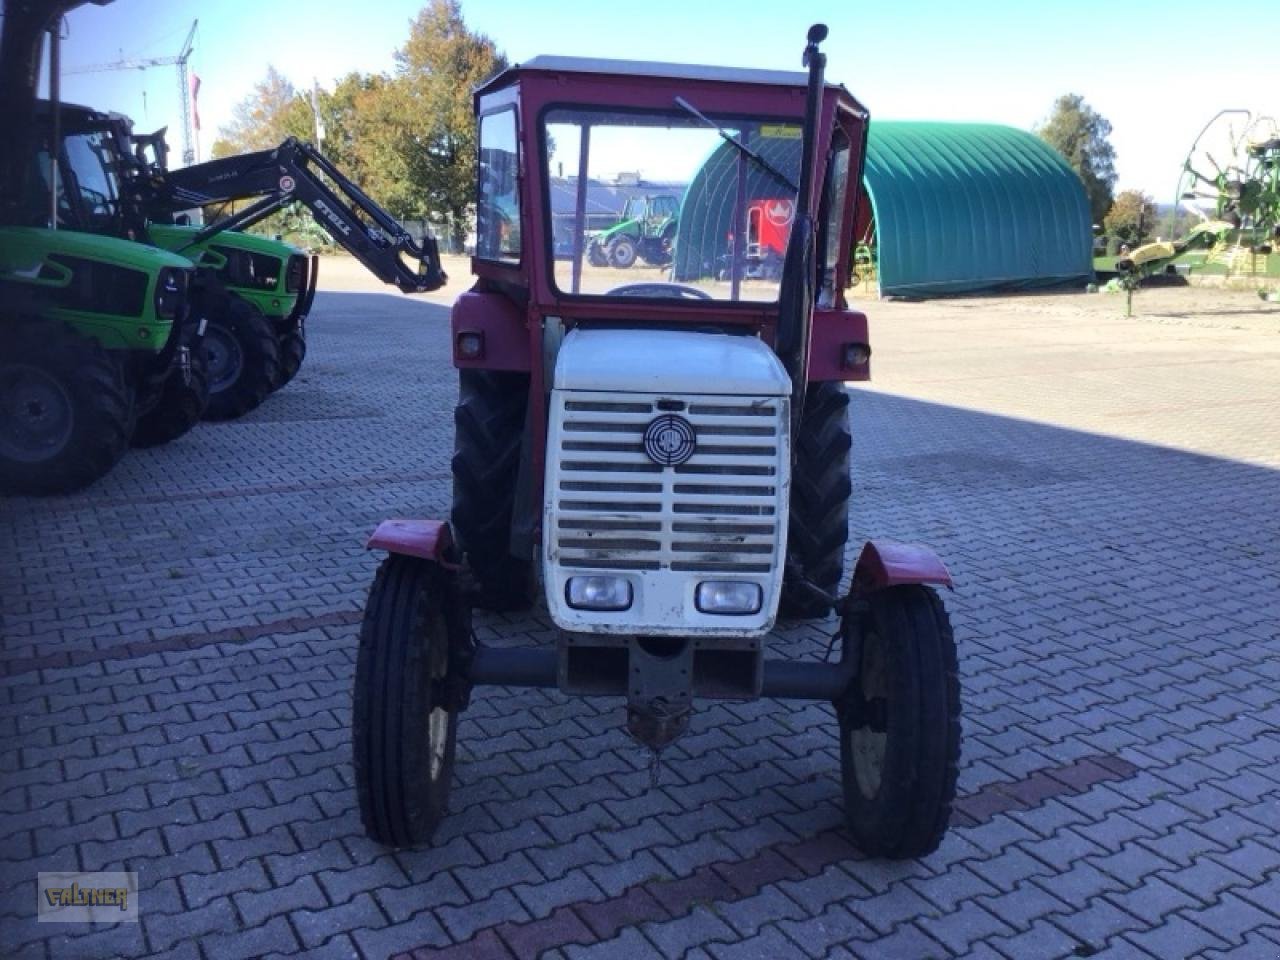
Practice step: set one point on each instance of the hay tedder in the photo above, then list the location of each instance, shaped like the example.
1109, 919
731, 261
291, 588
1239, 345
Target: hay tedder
666, 463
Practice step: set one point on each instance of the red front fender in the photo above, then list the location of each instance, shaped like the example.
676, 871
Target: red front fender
428, 539
883, 563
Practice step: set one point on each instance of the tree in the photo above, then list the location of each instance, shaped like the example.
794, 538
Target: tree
437, 68
1132, 218
1080, 134
273, 111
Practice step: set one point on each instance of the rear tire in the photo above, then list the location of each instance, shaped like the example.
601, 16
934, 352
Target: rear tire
66, 410
489, 429
293, 350
820, 489
403, 740
181, 405
900, 726
242, 355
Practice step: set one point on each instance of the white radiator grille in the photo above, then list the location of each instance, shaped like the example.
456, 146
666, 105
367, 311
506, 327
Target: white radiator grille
720, 515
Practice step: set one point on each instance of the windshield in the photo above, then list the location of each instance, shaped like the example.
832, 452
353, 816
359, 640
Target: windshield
660, 204
88, 158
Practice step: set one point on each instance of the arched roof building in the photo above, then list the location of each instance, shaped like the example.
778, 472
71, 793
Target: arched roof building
948, 208
957, 207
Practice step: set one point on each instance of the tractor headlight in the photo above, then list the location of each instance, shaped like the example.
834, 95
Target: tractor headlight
729, 597
855, 355
171, 289
598, 593
295, 277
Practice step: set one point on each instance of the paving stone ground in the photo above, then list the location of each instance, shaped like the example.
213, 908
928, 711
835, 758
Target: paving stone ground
178, 646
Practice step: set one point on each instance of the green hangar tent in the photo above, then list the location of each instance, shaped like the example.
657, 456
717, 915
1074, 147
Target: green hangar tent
948, 208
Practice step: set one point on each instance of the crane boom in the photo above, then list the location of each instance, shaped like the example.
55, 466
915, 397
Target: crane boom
184, 87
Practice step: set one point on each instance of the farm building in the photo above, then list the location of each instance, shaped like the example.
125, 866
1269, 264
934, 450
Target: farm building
948, 208
957, 207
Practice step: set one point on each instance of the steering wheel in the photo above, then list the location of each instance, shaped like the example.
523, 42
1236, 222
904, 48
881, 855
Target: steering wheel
657, 289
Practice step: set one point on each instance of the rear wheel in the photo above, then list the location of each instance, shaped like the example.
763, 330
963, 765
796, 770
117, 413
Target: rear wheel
293, 349
242, 355
403, 739
489, 428
900, 726
65, 409
820, 489
183, 399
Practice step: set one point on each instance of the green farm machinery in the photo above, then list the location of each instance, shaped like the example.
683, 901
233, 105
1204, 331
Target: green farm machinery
646, 231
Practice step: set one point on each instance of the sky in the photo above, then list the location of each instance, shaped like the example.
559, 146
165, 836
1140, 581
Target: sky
1157, 70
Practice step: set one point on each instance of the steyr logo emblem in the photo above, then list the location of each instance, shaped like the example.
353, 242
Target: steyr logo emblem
670, 440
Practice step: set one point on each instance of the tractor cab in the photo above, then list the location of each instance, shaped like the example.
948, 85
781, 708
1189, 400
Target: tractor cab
683, 157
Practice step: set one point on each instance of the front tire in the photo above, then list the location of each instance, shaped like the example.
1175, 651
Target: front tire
183, 399
488, 431
66, 410
293, 350
242, 355
622, 252
820, 488
403, 739
900, 726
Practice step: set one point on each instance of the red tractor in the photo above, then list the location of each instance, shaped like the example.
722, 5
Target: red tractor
667, 464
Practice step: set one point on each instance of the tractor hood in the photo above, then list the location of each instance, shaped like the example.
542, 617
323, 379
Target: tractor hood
24, 247
669, 361
175, 237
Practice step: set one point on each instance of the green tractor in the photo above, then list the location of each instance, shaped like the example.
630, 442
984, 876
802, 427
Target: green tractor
95, 353
246, 279
647, 231
251, 293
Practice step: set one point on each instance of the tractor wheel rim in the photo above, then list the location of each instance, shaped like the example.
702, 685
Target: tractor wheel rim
224, 357
439, 719
438, 740
38, 414
867, 744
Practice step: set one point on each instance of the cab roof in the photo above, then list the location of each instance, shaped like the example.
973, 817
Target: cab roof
651, 68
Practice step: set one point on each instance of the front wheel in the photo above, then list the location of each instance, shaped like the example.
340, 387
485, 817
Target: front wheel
622, 252
293, 350
242, 355
183, 398
900, 725
403, 738
66, 410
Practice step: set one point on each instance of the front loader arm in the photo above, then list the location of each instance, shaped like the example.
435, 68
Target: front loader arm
295, 172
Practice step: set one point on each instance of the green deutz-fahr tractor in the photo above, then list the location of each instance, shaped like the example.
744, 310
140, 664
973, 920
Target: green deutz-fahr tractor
95, 333
251, 293
647, 231
94, 353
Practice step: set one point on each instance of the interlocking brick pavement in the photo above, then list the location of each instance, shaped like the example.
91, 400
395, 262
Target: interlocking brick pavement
178, 644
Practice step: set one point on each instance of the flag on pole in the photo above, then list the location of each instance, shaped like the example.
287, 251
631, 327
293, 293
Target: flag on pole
194, 84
